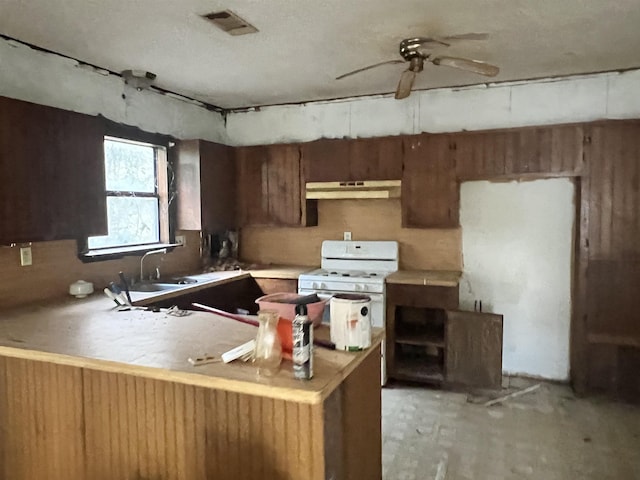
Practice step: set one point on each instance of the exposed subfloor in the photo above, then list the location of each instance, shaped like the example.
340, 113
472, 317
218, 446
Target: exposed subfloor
546, 434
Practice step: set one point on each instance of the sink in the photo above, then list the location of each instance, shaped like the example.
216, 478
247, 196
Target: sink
181, 280
154, 287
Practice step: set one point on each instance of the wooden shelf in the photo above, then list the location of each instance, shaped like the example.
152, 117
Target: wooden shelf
419, 370
422, 339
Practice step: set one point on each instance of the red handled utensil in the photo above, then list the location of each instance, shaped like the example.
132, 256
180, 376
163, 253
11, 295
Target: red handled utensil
240, 318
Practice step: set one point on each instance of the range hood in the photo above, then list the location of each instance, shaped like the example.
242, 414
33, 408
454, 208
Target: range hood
345, 190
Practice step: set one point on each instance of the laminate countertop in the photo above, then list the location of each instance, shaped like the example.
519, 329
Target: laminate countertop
285, 272
434, 278
91, 333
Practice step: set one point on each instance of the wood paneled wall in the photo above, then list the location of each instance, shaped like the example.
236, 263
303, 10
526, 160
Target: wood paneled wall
613, 155
56, 266
612, 249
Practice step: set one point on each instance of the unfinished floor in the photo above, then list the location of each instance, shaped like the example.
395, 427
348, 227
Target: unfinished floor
546, 434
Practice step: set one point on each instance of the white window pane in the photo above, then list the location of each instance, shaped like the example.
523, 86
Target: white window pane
132, 221
129, 167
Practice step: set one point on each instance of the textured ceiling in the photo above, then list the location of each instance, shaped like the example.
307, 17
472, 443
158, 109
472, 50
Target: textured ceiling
303, 45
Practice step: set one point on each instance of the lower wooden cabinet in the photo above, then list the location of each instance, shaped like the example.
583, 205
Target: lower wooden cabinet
430, 341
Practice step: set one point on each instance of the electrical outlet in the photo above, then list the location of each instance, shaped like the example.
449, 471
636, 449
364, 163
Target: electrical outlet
347, 236
180, 239
25, 256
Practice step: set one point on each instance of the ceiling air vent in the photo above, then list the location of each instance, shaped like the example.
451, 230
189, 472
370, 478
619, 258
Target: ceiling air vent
230, 22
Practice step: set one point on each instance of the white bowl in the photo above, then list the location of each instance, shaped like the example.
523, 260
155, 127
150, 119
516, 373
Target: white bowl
81, 289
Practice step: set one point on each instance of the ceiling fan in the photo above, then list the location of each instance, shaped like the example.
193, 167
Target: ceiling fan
419, 50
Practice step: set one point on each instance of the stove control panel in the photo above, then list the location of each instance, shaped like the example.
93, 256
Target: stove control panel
310, 284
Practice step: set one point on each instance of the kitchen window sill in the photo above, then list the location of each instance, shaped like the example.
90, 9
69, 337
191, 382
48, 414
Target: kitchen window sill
119, 252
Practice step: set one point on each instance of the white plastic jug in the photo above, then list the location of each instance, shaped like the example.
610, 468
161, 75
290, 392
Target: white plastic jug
350, 321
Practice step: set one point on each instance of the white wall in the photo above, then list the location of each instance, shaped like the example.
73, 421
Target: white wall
543, 102
517, 241
47, 79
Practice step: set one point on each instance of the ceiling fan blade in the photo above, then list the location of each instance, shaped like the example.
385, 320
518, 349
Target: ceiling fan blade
467, 36
468, 65
369, 68
404, 85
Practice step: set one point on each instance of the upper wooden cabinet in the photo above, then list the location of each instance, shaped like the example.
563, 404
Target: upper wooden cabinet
549, 151
206, 181
349, 160
430, 190
271, 187
51, 163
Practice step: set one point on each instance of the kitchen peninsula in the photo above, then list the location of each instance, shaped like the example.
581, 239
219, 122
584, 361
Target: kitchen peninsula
90, 392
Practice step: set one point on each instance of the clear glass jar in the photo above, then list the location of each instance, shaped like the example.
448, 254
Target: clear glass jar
268, 351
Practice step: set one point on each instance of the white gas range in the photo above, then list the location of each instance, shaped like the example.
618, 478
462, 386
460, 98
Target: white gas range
354, 267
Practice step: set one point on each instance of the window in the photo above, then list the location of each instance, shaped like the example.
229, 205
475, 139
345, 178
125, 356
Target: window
136, 186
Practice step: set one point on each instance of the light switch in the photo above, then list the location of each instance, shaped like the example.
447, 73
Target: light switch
347, 236
25, 256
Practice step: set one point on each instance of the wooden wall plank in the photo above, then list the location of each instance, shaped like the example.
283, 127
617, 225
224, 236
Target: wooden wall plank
613, 155
41, 422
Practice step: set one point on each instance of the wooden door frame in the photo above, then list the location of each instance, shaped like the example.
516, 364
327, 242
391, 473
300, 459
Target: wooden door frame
579, 264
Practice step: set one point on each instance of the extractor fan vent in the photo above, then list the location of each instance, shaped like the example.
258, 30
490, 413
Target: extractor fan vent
230, 22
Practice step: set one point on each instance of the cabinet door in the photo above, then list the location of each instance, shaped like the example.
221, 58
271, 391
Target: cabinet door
473, 349
51, 162
80, 201
253, 198
348, 160
430, 190
326, 160
218, 187
206, 180
284, 185
375, 159
270, 187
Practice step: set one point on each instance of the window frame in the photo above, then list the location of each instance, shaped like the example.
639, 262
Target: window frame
165, 175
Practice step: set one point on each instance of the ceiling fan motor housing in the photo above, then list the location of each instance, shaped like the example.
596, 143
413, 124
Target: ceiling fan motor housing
409, 47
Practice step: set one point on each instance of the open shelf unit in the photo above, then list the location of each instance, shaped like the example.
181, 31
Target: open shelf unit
419, 348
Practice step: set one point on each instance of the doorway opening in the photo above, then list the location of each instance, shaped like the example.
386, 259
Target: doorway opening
517, 244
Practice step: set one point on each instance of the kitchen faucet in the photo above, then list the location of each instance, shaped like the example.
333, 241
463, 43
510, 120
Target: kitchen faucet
151, 252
